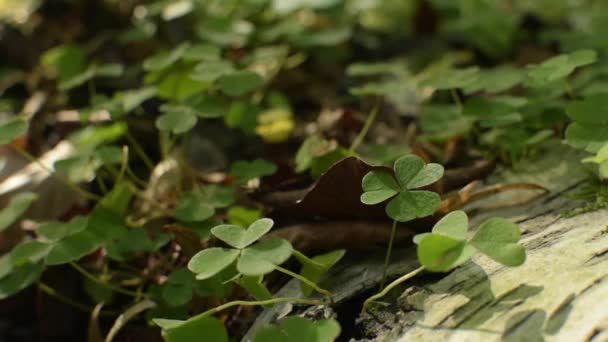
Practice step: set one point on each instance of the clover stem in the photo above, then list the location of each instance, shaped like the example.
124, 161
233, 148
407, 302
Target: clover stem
257, 303
79, 306
65, 181
391, 286
140, 152
305, 281
387, 258
456, 98
94, 279
368, 124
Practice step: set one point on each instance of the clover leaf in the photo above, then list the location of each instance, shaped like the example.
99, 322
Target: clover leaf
454, 78
406, 204
498, 238
253, 259
12, 129
559, 67
238, 237
446, 246
176, 122
16, 207
314, 268
299, 329
191, 330
240, 82
589, 130
245, 171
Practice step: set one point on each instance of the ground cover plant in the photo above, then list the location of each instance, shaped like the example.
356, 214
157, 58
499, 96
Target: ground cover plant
167, 166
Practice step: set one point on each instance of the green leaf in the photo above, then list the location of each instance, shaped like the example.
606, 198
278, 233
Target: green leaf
178, 290
16, 207
54, 231
262, 257
176, 122
314, 269
242, 216
324, 162
409, 205
378, 186
118, 199
559, 67
193, 330
65, 61
439, 253
210, 71
238, 237
590, 138
30, 252
245, 171
454, 225
191, 207
496, 80
593, 110
202, 52
314, 146
73, 248
492, 113
164, 60
406, 168
19, 279
240, 83
454, 78
209, 262
298, 329
428, 175
498, 238
12, 129
255, 287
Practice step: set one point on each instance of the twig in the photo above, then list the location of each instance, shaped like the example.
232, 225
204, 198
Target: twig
391, 286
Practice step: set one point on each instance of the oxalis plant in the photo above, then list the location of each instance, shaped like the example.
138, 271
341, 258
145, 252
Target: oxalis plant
447, 246
249, 257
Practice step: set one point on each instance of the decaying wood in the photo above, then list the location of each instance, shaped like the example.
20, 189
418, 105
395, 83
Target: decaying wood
559, 294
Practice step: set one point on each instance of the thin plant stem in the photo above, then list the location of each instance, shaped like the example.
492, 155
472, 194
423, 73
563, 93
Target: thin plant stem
389, 252
391, 286
368, 124
140, 152
79, 306
456, 98
94, 279
305, 281
65, 181
257, 303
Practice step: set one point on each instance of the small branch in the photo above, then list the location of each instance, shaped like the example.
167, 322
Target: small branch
389, 251
126, 316
305, 281
93, 278
368, 124
391, 286
140, 152
69, 301
257, 303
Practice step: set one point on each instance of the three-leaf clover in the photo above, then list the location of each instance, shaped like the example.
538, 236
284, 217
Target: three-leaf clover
406, 203
446, 247
253, 259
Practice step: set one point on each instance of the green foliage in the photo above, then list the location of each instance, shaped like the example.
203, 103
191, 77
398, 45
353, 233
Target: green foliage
12, 129
245, 171
406, 203
315, 268
15, 208
252, 259
299, 329
446, 247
